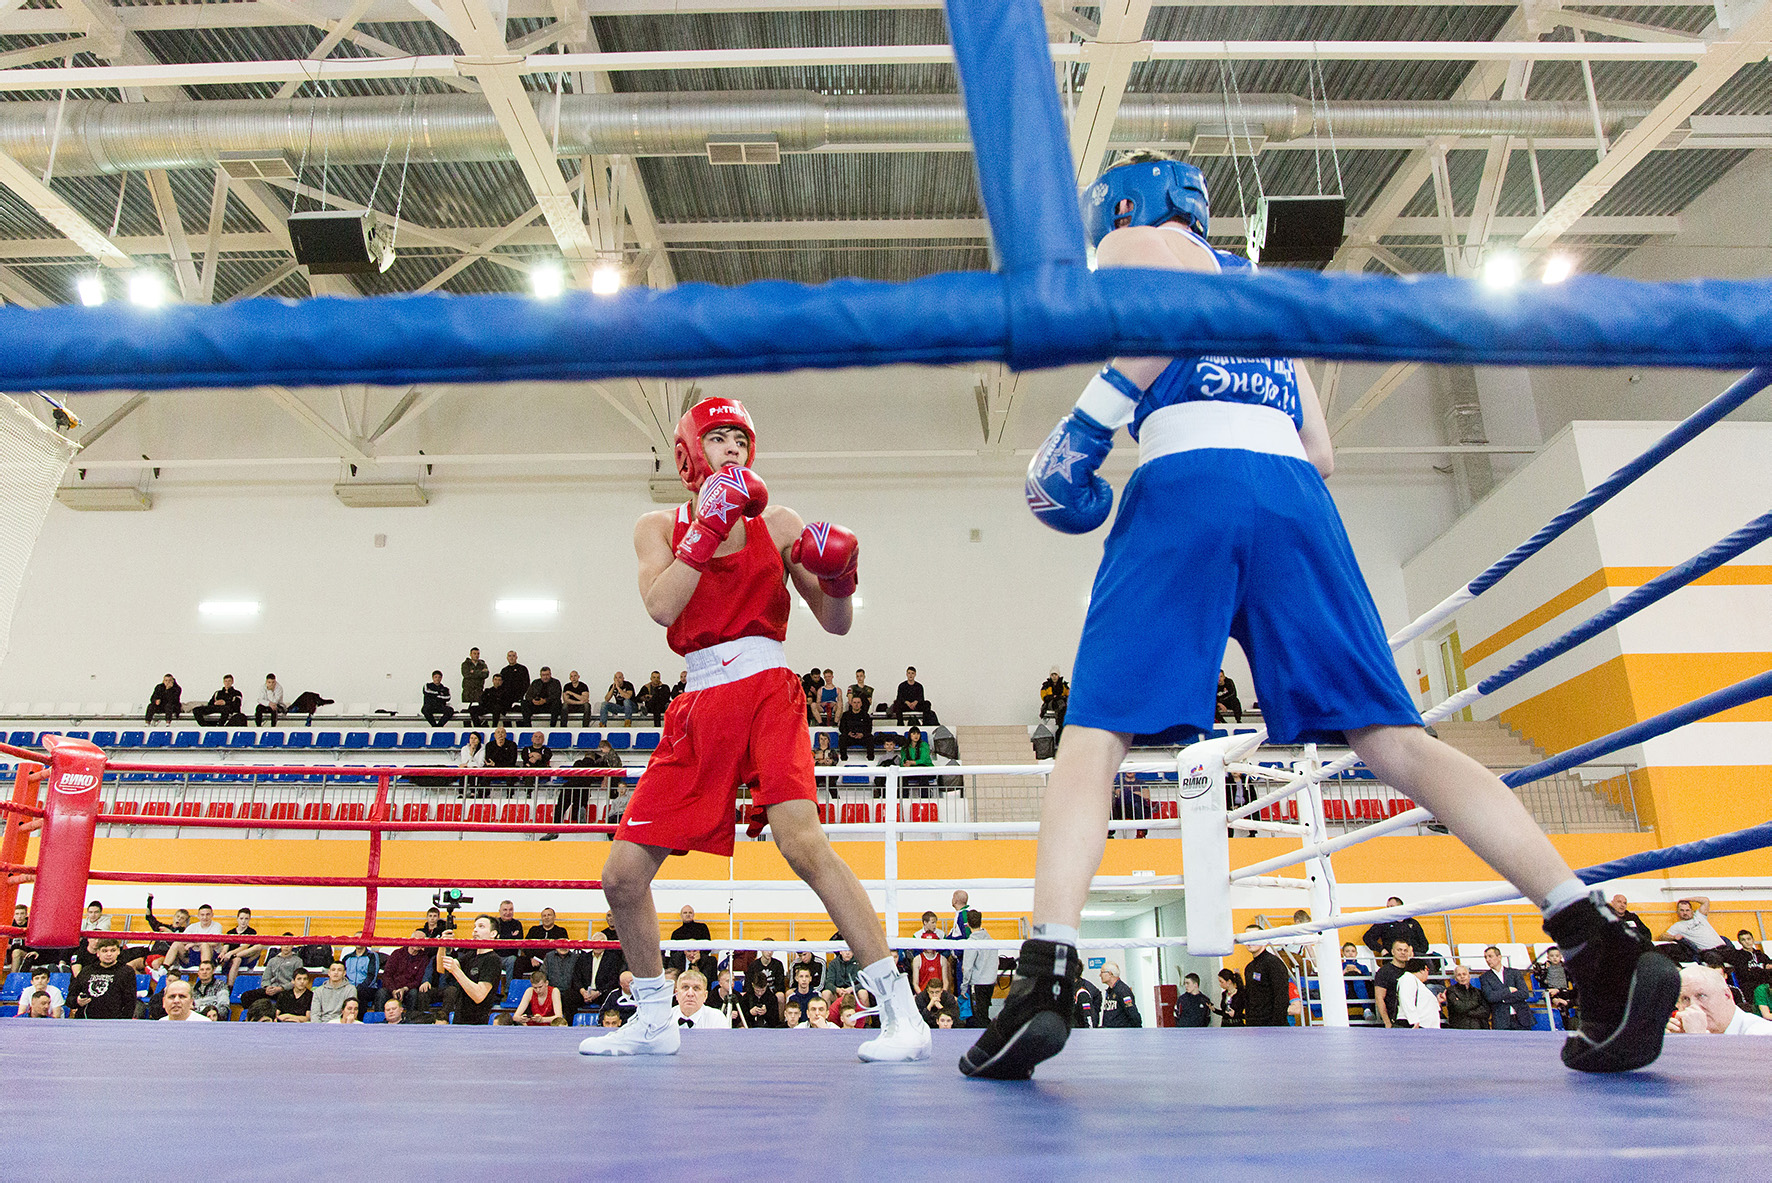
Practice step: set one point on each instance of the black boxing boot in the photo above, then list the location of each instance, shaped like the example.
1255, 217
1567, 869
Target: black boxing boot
1627, 990
1036, 1017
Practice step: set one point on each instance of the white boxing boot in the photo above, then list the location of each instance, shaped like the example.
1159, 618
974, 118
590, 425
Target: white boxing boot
651, 1032
904, 1036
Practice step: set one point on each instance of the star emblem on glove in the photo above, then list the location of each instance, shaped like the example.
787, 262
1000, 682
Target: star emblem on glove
1060, 458
717, 505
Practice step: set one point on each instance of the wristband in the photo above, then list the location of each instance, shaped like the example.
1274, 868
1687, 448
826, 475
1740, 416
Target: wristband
697, 547
1110, 399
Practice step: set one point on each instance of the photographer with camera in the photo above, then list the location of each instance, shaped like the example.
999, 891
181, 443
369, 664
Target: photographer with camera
470, 983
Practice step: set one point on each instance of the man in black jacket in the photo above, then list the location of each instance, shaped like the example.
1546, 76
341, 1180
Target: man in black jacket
502, 751
1266, 993
106, 990
910, 698
855, 728
1118, 1007
1466, 1008
1380, 937
436, 708
516, 677
1192, 1008
495, 703
1631, 920
543, 698
690, 930
223, 707
531, 959
164, 700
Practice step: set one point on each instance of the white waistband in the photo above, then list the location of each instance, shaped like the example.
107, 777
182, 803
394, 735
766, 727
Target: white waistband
1188, 427
732, 661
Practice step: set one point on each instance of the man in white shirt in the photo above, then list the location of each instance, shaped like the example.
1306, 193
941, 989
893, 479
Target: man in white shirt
1417, 1006
979, 971
40, 981
1707, 1007
178, 1004
818, 1015
205, 925
1693, 935
95, 919
692, 1009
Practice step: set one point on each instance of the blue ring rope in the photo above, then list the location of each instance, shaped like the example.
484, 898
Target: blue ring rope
1703, 849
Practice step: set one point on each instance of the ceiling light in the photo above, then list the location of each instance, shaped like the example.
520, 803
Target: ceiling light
856, 600
1097, 913
547, 281
1557, 268
232, 609
91, 289
606, 280
1501, 270
147, 289
526, 607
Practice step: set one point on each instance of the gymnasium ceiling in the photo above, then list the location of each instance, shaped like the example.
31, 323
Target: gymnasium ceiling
1454, 130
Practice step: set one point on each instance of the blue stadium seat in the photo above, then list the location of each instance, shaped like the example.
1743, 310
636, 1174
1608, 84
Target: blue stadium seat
584, 1018
354, 741
587, 740
105, 739
375, 1016
380, 741
645, 741
514, 995
13, 987
445, 739
23, 739
248, 739
215, 739
72, 734
327, 739
187, 739
297, 739
619, 740
271, 739
414, 740
158, 739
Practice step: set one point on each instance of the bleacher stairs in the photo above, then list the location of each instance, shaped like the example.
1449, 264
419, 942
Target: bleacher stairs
1501, 749
1001, 798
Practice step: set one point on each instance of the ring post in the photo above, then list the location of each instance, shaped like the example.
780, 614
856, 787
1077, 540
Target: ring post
379, 813
14, 838
1205, 848
64, 855
891, 867
1331, 988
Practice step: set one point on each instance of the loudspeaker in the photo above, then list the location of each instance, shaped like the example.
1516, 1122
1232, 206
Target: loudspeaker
1045, 743
340, 242
1303, 229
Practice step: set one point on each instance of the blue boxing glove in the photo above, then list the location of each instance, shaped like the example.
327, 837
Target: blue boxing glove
1062, 487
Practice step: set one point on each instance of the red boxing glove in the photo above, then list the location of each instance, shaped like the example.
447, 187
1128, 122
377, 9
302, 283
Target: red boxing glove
725, 499
829, 552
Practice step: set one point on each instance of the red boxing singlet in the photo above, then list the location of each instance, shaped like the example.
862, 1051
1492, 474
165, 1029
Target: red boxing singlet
744, 594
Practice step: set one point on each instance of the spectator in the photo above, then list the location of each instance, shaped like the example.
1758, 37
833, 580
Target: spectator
1746, 941
804, 989
1192, 1008
722, 995
849, 1016
1086, 1005
472, 755
1055, 698
278, 978
270, 702
96, 919
1632, 921
598, 985
929, 963
541, 1005
1357, 981
792, 1017
910, 700
515, 678
812, 963
828, 697
1416, 1004
502, 752
860, 689
294, 1003
1118, 1007
619, 697
37, 1005
935, 999
470, 989
758, 1005
538, 754
769, 966
545, 929
402, 973
1553, 978
40, 983
473, 678
1466, 1008
680, 685
841, 974
106, 990
690, 929
574, 801
363, 972
330, 995
818, 1015
1385, 992
351, 1012
1505, 989
393, 1012
1691, 936
506, 927
210, 992
543, 698
434, 928
15, 948
1707, 1007
1268, 987
222, 709
576, 696
1228, 702
178, 953
164, 700
495, 703
241, 956
979, 971
1381, 936
178, 1004
692, 1009
916, 754
855, 729
1230, 999
823, 754
315, 958
436, 708
559, 966
655, 699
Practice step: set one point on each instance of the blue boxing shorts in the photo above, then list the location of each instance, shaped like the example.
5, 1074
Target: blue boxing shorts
1220, 542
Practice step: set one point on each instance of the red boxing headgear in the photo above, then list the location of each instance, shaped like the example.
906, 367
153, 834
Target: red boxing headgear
697, 421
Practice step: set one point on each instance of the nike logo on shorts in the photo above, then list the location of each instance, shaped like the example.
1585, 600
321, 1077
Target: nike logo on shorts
730, 660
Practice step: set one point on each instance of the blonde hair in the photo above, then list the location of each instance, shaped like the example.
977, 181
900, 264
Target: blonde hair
693, 975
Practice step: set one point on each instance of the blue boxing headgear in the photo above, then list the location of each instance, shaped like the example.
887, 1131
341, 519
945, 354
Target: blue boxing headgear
1157, 190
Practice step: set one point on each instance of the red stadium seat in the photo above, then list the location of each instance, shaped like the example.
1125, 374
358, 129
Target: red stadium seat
544, 815
449, 812
516, 813
484, 811
253, 809
827, 813
157, 809
1368, 809
220, 809
1398, 805
853, 814
1333, 809
188, 809
412, 811
1164, 809
283, 811
317, 811
127, 807
353, 811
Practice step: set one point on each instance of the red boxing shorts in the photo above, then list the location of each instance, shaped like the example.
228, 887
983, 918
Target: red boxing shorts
750, 732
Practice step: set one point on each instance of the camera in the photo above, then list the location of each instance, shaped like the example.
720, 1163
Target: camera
448, 899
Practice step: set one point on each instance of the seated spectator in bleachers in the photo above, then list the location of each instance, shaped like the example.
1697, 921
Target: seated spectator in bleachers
1553, 978
317, 959
330, 995
768, 965
911, 700
916, 754
1508, 993
823, 754
545, 929
818, 1016
243, 956
855, 729
308, 703
40, 982
576, 696
402, 972
507, 927
723, 993
164, 700
935, 1000
537, 755
1691, 936
179, 1006
270, 702
1707, 1007
559, 966
363, 972
1380, 937
494, 704
803, 989
860, 689
436, 708
841, 974
186, 953
180, 920
294, 1003
262, 1011
37, 1004
1192, 1008
1417, 1006
1466, 1008
502, 752
541, 1005
106, 989
757, 1004
470, 987
210, 991
350, 1013
96, 918
1229, 705
515, 676
692, 1009
472, 755
1631, 920
828, 699
655, 698
473, 677
392, 1012
1055, 698
543, 698
1357, 980
222, 709
15, 947
279, 976
619, 697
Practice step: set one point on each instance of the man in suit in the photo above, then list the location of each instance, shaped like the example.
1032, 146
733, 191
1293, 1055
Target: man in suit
1507, 993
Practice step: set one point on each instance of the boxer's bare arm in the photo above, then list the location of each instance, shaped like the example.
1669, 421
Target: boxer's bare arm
1315, 433
1158, 250
665, 583
834, 615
